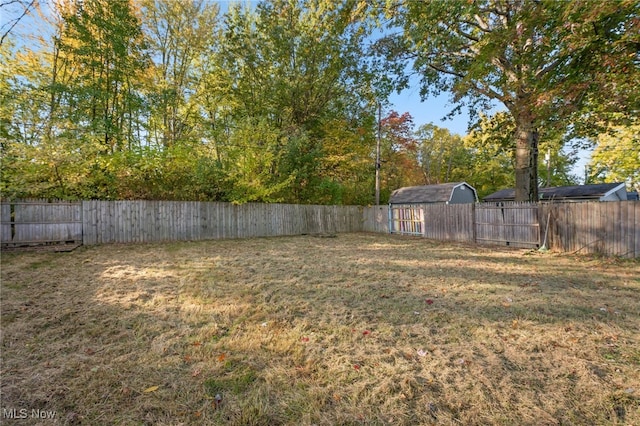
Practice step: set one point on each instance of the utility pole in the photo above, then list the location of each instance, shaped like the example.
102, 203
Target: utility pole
378, 155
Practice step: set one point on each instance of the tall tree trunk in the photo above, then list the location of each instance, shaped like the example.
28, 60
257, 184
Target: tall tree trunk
526, 159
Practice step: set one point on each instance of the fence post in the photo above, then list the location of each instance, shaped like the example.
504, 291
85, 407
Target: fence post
473, 223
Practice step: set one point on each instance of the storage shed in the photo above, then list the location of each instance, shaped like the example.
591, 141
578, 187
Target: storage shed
597, 192
406, 205
447, 193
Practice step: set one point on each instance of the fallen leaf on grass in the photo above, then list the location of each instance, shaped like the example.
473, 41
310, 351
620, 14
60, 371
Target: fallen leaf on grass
366, 332
196, 373
429, 302
304, 339
151, 389
221, 357
356, 366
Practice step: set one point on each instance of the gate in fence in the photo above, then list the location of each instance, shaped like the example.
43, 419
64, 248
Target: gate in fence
39, 222
511, 224
406, 220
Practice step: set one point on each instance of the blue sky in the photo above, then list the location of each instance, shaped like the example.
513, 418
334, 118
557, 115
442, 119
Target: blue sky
434, 109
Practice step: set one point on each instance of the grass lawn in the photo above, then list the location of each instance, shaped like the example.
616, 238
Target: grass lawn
357, 329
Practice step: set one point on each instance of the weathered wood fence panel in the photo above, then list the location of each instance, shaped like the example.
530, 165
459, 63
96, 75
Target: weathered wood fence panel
148, 221
605, 228
27, 222
375, 219
5, 222
449, 222
511, 224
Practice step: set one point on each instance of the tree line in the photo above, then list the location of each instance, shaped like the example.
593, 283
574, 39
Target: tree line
277, 101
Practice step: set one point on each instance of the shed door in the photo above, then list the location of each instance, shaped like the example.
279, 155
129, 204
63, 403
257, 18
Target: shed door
406, 220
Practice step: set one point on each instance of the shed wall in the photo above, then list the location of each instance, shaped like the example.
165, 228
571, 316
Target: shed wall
462, 195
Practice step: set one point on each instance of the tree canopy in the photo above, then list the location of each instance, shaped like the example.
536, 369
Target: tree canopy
548, 63
276, 101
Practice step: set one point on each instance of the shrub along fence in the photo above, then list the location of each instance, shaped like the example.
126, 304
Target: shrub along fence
607, 228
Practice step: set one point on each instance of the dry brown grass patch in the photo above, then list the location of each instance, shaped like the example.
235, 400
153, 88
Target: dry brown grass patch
358, 329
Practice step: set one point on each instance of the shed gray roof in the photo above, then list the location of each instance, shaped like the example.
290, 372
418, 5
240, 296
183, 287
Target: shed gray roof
574, 192
440, 193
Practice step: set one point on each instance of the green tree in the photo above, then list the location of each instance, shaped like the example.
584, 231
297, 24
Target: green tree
347, 174
616, 157
292, 66
491, 162
442, 156
399, 154
40, 156
102, 40
538, 59
180, 35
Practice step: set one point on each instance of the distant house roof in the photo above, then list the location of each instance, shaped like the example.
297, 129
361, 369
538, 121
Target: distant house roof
602, 191
454, 192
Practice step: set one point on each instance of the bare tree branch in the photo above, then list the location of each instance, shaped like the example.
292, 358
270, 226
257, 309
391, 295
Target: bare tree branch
26, 10
444, 70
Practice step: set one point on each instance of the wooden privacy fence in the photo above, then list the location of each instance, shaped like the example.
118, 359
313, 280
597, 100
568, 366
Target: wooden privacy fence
40, 222
449, 222
606, 228
510, 224
147, 221
375, 219
34, 222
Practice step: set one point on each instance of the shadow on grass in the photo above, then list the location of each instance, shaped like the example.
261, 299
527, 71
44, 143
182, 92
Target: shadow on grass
357, 329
